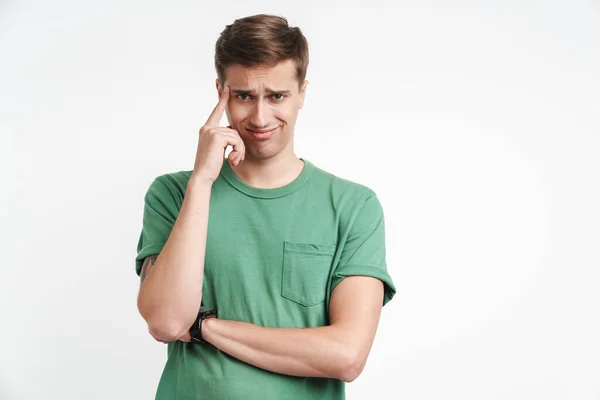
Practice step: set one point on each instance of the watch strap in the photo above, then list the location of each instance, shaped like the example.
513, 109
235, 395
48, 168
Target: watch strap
196, 328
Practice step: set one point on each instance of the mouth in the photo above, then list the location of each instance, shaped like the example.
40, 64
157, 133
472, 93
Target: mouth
262, 134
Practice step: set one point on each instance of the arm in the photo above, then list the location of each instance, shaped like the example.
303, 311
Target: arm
171, 290
171, 282
337, 351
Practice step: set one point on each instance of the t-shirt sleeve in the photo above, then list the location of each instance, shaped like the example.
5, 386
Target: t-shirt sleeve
161, 208
363, 252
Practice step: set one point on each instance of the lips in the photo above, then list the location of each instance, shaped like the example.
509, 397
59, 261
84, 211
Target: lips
262, 130
262, 134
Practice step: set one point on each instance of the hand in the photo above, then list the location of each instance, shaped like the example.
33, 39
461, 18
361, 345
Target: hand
212, 143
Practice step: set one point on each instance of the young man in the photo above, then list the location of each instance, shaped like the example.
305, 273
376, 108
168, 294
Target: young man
288, 259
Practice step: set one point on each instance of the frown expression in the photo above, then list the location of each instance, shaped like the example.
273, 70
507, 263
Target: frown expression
263, 107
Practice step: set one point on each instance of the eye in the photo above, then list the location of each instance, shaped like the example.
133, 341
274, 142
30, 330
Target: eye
279, 96
241, 96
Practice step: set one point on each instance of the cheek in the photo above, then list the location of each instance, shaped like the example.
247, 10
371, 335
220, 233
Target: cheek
288, 114
236, 113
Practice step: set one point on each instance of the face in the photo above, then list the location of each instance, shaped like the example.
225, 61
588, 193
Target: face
263, 107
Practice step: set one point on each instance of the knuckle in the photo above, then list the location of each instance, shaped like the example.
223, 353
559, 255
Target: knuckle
207, 130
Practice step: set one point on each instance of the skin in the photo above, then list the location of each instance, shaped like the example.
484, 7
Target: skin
265, 98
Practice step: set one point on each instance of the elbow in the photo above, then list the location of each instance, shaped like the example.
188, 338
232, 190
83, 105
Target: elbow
350, 366
162, 328
166, 330
166, 322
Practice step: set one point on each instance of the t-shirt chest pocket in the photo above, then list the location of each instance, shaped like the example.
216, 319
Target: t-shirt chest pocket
305, 271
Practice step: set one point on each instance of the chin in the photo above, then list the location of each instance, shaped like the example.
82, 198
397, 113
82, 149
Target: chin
264, 152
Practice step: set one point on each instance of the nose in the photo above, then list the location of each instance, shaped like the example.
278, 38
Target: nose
259, 117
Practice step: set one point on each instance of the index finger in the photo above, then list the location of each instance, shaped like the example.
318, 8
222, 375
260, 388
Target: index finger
215, 116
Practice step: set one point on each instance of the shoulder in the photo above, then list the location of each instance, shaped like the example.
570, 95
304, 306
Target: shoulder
343, 189
355, 204
169, 185
174, 179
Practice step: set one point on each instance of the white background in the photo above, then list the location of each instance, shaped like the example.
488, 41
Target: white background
477, 124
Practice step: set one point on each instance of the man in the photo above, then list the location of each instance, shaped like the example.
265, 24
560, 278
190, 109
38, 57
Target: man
290, 258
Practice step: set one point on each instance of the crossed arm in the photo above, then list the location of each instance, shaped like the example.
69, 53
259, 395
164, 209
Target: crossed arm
338, 350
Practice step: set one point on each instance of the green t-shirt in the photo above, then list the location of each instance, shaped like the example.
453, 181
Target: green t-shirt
273, 258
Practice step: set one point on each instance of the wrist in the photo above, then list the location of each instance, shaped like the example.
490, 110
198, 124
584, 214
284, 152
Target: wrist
199, 183
207, 326
197, 329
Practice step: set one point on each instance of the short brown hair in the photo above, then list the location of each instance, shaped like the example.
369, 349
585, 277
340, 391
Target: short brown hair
261, 40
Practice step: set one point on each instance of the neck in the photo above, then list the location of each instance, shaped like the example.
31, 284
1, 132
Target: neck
271, 173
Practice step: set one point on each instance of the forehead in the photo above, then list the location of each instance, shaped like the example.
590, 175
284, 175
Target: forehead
280, 76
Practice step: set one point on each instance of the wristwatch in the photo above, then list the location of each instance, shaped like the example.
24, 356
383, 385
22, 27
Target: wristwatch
196, 328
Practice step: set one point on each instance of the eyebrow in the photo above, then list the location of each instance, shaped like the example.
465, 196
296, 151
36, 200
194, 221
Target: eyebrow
271, 91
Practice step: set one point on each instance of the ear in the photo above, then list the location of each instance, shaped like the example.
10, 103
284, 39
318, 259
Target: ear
303, 93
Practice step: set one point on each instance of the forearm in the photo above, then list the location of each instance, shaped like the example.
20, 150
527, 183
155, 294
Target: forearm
316, 352
171, 292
